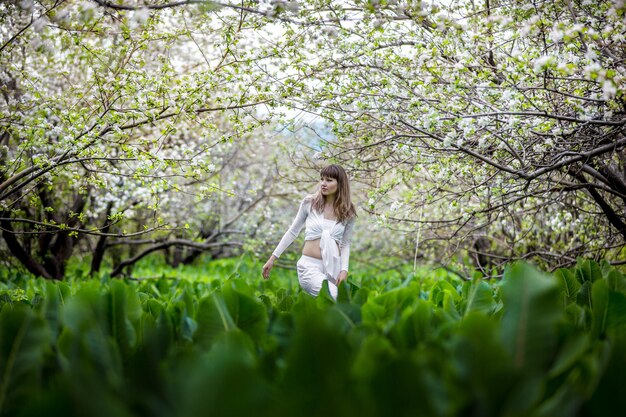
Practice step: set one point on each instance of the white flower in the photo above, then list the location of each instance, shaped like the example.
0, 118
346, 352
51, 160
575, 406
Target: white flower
141, 15
542, 62
556, 35
39, 24
26, 4
591, 54
564, 68
87, 5
330, 32
292, 6
609, 90
577, 28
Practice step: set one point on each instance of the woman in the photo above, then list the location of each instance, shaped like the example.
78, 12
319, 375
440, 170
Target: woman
329, 218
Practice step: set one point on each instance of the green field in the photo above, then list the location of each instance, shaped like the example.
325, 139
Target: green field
220, 341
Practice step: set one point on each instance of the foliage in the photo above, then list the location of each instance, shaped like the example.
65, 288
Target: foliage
123, 132
490, 130
495, 127
230, 343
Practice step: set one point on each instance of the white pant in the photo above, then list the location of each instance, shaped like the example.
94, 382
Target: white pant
311, 276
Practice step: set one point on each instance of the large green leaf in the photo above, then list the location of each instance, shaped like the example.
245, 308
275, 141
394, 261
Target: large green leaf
477, 297
439, 291
414, 326
86, 343
531, 314
213, 319
583, 297
616, 280
569, 285
344, 316
316, 379
123, 311
24, 339
605, 370
247, 313
574, 348
588, 270
223, 382
384, 310
482, 364
609, 309
55, 294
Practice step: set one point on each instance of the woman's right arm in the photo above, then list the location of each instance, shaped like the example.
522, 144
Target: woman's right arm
289, 236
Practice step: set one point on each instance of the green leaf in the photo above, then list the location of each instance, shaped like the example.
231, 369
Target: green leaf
247, 313
24, 339
384, 310
344, 316
608, 309
415, 325
588, 270
583, 297
439, 291
344, 293
574, 349
123, 310
477, 297
213, 319
531, 313
568, 283
482, 363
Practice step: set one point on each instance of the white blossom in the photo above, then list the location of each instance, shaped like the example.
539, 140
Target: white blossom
556, 34
26, 4
141, 15
292, 6
542, 62
87, 5
39, 24
591, 54
609, 90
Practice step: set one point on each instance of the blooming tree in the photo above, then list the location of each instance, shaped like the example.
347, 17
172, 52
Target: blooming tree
493, 129
112, 121
496, 127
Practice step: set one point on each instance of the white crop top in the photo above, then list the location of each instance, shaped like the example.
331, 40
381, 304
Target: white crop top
329, 232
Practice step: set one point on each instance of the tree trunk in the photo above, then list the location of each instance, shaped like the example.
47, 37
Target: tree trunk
18, 251
98, 254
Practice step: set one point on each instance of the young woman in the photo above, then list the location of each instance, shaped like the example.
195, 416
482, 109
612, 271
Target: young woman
329, 219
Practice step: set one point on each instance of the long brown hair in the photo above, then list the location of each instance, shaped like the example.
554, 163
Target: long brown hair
343, 207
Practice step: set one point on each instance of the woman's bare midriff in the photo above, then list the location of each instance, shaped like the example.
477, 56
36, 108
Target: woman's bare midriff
312, 248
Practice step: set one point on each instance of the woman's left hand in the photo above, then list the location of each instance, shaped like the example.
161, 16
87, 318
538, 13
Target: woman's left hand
343, 275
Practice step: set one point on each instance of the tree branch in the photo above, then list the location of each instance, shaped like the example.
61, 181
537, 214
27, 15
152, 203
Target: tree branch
177, 242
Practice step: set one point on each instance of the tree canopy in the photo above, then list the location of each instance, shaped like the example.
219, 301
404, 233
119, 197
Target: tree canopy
493, 130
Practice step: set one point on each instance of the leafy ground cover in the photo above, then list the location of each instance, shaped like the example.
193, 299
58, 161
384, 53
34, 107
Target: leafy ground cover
220, 341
